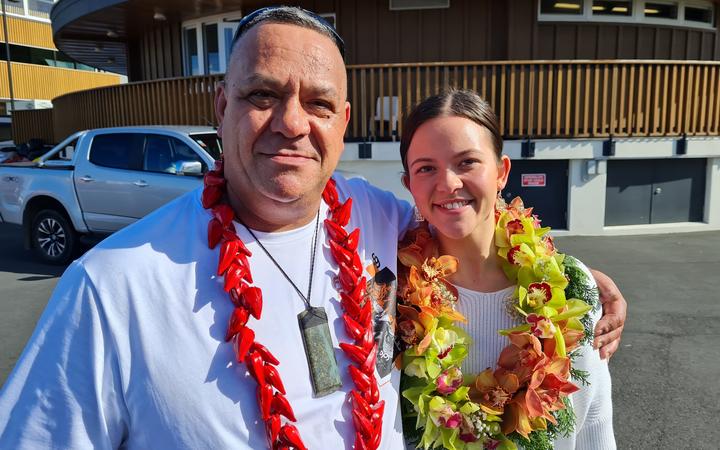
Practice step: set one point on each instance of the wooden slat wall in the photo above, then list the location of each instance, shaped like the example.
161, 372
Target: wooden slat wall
543, 99
35, 123
160, 53
469, 30
32, 81
28, 32
614, 41
475, 30
536, 99
177, 101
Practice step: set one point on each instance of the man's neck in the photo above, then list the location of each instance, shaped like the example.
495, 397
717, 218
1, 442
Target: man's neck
272, 216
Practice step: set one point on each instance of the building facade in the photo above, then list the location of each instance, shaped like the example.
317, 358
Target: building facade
38, 70
610, 108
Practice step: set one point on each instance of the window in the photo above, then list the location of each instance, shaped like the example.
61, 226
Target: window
206, 43
612, 8
41, 57
40, 8
192, 62
118, 150
35, 9
661, 10
67, 153
15, 8
184, 153
418, 4
158, 154
702, 14
211, 51
210, 142
679, 13
571, 7
228, 34
166, 154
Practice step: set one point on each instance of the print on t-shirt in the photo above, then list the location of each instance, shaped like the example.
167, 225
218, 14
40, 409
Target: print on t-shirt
381, 289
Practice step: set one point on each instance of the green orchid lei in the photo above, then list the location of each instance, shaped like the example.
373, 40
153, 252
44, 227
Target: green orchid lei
497, 409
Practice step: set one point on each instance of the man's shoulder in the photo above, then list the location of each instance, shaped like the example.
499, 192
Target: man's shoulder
366, 195
161, 234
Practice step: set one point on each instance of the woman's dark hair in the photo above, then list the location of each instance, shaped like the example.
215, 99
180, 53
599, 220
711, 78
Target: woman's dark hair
452, 103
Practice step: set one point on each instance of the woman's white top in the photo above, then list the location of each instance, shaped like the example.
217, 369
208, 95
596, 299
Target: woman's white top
487, 313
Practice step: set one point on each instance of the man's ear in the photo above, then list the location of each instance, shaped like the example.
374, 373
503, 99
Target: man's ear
405, 180
347, 114
220, 105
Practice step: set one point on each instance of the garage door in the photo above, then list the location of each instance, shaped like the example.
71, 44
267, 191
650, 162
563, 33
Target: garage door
542, 185
655, 191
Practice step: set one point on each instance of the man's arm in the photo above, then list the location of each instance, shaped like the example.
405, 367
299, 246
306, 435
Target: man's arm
65, 389
609, 328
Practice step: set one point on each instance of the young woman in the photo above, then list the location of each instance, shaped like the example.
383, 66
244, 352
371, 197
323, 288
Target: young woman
483, 266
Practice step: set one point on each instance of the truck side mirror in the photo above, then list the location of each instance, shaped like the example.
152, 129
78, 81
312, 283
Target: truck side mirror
193, 168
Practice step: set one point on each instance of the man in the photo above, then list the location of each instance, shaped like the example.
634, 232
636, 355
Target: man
131, 349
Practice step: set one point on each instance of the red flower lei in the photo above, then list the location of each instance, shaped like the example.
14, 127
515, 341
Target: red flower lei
367, 408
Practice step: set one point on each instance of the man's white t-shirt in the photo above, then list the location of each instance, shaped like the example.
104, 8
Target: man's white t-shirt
130, 351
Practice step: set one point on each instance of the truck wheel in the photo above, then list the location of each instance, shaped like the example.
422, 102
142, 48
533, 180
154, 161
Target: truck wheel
53, 237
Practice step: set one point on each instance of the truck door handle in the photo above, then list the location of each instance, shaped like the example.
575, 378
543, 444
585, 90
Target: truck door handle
10, 179
140, 183
87, 179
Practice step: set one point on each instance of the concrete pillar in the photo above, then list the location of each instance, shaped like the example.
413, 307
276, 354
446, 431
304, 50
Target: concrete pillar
586, 197
712, 193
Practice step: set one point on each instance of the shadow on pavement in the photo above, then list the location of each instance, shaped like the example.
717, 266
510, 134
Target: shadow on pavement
14, 258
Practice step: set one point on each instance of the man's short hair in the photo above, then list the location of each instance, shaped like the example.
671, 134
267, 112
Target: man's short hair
290, 15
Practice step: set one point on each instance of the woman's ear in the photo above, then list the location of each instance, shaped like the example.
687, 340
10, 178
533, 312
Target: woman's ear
503, 172
405, 180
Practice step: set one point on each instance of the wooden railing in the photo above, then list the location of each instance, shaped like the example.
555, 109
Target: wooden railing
28, 32
32, 81
544, 99
533, 99
34, 123
175, 101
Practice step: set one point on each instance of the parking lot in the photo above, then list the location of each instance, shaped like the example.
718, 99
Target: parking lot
665, 377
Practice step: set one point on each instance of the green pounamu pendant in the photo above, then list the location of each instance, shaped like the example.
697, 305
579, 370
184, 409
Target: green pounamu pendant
324, 373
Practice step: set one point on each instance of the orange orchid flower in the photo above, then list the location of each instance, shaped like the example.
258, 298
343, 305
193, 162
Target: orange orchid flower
417, 246
414, 325
495, 389
523, 356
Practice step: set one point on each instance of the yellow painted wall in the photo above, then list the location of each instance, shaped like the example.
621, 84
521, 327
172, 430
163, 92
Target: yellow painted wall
27, 32
45, 83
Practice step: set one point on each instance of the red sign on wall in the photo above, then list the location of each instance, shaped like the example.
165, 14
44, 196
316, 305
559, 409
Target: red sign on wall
532, 180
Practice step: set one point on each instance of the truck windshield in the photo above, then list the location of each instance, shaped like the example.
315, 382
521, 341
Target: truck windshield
210, 142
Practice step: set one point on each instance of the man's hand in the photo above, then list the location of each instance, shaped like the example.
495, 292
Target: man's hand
609, 328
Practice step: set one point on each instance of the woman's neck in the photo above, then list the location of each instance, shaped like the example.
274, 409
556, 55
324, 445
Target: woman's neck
479, 266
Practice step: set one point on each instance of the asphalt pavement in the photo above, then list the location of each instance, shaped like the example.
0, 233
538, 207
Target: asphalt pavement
666, 376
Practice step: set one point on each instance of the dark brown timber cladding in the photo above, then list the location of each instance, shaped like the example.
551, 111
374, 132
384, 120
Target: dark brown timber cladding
529, 38
470, 30
476, 30
157, 54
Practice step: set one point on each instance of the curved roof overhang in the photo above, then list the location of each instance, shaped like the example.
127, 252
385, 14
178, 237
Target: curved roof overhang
97, 32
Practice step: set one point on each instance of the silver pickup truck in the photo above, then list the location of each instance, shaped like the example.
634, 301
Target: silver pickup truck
98, 181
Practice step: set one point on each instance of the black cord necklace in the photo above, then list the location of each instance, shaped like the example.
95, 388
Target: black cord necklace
305, 298
314, 328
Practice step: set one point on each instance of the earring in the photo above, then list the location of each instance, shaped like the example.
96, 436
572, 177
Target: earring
417, 215
500, 201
